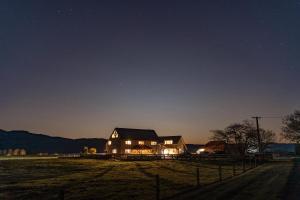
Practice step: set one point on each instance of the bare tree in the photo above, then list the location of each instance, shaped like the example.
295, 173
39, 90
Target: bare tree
291, 128
267, 137
220, 135
243, 136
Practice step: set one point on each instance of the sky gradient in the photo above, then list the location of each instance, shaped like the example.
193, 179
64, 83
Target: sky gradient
81, 68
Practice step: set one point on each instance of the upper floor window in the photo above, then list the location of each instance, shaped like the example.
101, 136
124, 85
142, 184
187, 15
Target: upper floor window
153, 143
141, 142
109, 142
128, 142
115, 135
168, 141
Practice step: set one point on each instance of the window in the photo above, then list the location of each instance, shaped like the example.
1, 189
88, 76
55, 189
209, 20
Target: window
128, 142
170, 151
127, 151
141, 142
168, 141
153, 143
114, 135
109, 142
114, 151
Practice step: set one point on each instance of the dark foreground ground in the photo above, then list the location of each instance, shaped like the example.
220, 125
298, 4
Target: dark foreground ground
265, 182
94, 179
292, 191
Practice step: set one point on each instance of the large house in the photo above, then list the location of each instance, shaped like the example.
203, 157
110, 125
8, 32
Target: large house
143, 141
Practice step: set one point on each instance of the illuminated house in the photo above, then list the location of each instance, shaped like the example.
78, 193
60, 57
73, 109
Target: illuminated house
172, 145
143, 141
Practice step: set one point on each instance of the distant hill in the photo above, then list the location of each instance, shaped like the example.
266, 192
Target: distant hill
39, 143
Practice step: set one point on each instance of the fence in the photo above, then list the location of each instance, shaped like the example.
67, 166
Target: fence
138, 157
222, 168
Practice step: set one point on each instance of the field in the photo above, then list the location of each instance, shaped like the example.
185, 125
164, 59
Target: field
96, 179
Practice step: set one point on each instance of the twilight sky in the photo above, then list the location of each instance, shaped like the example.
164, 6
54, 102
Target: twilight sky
81, 68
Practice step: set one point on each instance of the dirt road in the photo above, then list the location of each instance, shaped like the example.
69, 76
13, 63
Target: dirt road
265, 182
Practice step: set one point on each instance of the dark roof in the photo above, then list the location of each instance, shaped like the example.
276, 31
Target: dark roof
136, 134
215, 143
174, 138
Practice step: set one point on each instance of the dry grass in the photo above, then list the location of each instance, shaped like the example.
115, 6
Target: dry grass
95, 179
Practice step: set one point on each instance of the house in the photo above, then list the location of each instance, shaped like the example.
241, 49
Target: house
221, 147
215, 147
172, 145
143, 141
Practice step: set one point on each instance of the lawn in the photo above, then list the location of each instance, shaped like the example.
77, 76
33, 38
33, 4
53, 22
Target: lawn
102, 179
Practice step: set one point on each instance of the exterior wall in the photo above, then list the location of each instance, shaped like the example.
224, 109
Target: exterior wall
178, 148
120, 145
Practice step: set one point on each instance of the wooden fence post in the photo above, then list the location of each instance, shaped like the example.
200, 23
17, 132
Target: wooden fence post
157, 187
250, 163
233, 169
61, 194
244, 165
220, 173
198, 177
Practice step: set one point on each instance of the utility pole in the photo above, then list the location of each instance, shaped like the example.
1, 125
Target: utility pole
258, 133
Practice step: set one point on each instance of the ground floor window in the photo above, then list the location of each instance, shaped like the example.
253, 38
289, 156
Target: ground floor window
114, 151
127, 151
170, 151
141, 151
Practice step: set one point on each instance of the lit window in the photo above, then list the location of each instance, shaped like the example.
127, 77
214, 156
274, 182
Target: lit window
168, 141
128, 142
141, 142
109, 142
127, 150
114, 151
153, 143
115, 134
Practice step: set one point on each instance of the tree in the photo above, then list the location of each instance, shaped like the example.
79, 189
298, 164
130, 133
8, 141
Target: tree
243, 136
291, 128
267, 137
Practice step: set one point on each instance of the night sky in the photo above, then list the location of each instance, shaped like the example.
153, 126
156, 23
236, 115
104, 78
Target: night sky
81, 68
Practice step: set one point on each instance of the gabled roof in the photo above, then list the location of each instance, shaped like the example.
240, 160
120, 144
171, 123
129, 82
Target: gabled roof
136, 134
174, 138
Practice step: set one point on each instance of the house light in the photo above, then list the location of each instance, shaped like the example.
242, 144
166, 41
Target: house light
127, 151
141, 142
114, 151
168, 141
128, 142
109, 142
153, 143
114, 135
200, 150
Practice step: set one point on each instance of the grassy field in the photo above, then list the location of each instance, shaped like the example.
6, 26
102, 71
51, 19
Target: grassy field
96, 179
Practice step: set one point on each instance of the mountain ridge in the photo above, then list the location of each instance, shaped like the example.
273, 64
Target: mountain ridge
35, 143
